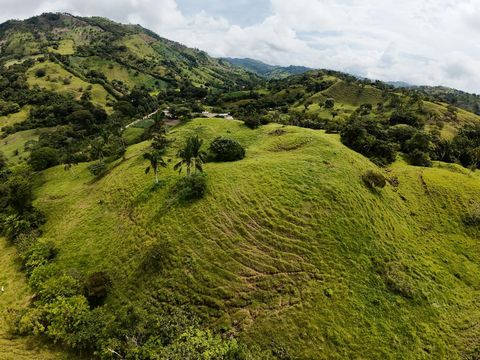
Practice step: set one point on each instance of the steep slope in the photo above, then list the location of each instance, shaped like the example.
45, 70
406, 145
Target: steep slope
289, 250
113, 55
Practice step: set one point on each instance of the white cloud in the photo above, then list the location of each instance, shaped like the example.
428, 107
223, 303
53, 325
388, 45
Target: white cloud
430, 42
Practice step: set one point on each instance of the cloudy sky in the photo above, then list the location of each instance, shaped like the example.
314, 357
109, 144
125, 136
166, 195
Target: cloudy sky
433, 42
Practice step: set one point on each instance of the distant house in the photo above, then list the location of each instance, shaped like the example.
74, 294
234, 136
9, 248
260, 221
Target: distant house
208, 114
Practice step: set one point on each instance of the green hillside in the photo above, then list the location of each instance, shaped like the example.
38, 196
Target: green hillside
289, 249
117, 57
344, 224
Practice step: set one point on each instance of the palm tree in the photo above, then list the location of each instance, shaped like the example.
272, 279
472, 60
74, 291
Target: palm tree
191, 156
155, 162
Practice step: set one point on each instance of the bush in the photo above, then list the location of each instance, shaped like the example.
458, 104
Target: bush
65, 320
252, 123
98, 169
225, 149
374, 180
96, 288
55, 287
40, 73
473, 217
39, 254
191, 188
329, 104
43, 158
419, 158
20, 194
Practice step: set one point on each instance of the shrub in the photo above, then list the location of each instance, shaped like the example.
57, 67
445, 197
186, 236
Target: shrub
419, 158
19, 228
13, 226
58, 286
20, 194
329, 104
252, 122
225, 149
398, 280
473, 217
98, 169
96, 288
191, 188
43, 158
39, 254
374, 180
40, 73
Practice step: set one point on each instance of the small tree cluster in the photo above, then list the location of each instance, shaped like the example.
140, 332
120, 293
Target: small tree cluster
225, 149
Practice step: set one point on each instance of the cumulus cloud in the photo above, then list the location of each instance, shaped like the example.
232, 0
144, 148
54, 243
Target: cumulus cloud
429, 42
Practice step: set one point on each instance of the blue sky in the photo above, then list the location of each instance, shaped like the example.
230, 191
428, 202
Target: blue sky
431, 42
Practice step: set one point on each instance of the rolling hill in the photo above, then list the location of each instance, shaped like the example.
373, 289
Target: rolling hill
292, 252
289, 250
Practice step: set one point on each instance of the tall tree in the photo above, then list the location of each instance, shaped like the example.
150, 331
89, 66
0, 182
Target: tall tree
156, 161
191, 156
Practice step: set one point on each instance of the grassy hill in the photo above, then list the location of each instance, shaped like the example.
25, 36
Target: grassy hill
289, 255
289, 250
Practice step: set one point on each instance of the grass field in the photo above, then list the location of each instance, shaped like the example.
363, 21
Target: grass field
352, 94
13, 146
13, 119
114, 71
65, 47
289, 248
54, 80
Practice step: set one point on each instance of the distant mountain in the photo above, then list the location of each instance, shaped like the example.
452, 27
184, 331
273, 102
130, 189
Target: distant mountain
400, 84
267, 70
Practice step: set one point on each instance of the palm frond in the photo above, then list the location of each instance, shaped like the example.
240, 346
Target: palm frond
178, 166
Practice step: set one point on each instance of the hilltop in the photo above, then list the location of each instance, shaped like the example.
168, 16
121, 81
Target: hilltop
346, 227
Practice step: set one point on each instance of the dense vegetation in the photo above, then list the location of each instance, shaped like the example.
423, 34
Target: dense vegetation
147, 232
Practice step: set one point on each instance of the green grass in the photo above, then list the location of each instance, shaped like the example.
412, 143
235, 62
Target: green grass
13, 119
65, 47
115, 71
13, 146
54, 81
132, 135
440, 110
353, 94
288, 247
23, 44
